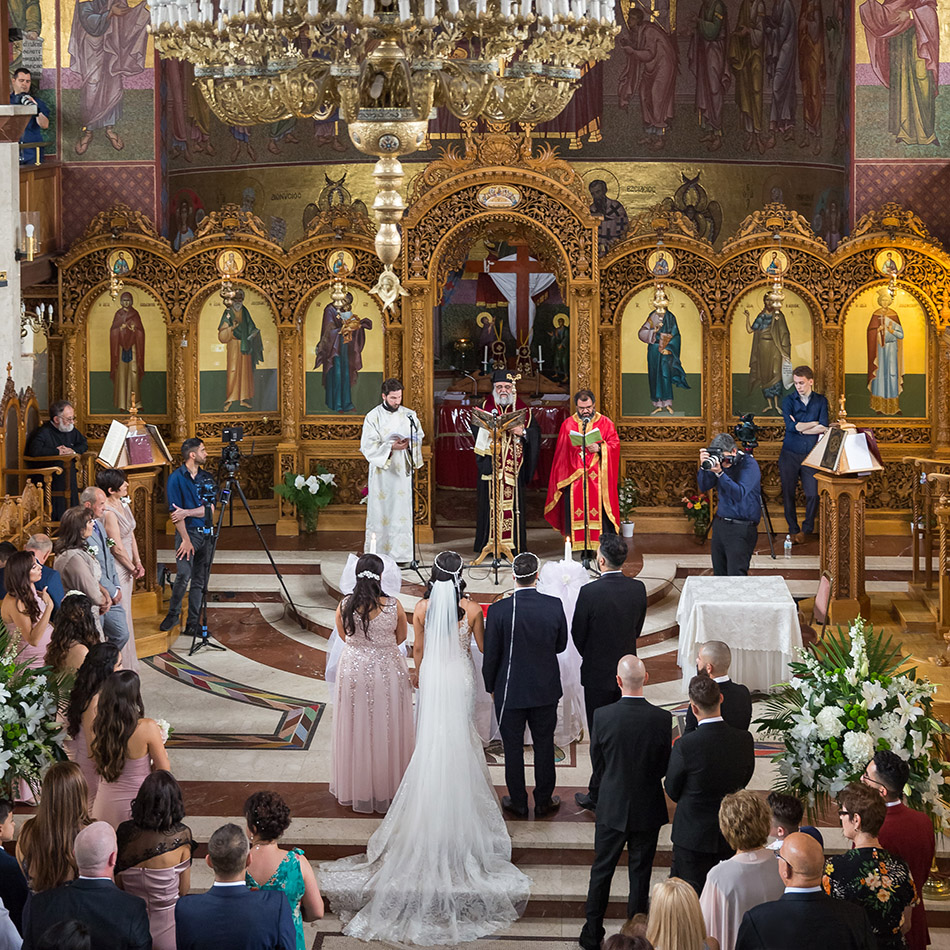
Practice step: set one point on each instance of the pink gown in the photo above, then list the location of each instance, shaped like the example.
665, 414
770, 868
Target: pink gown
78, 751
114, 799
127, 582
372, 717
36, 655
158, 887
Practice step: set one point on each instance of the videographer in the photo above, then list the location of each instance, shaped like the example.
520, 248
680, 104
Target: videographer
806, 418
188, 512
736, 475
22, 81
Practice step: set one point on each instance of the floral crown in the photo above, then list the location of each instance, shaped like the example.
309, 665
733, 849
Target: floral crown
371, 574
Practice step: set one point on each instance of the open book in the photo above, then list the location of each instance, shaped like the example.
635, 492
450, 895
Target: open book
592, 437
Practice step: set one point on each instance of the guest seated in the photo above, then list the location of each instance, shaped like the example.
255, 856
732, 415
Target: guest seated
231, 914
804, 917
116, 921
42, 548
622, 942
25, 611
273, 868
787, 812
868, 875
125, 747
45, 845
76, 564
749, 877
636, 926
155, 850
100, 663
74, 633
676, 921
66, 935
13, 887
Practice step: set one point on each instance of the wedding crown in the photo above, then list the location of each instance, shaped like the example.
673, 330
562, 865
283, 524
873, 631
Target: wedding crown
537, 563
74, 593
457, 572
375, 577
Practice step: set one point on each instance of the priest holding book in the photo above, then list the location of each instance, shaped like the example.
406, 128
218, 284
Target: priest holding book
585, 472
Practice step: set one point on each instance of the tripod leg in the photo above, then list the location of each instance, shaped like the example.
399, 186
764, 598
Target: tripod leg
769, 530
200, 636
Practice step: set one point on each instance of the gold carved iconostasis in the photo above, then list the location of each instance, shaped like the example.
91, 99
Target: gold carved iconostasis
274, 359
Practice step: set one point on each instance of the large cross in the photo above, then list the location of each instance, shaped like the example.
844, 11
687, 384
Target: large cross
523, 266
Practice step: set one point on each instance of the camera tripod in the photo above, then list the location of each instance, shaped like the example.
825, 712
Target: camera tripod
201, 637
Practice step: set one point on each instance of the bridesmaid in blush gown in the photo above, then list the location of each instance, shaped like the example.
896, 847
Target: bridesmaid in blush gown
119, 523
100, 663
24, 610
372, 712
125, 747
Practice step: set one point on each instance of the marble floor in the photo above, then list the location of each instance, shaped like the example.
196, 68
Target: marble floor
258, 714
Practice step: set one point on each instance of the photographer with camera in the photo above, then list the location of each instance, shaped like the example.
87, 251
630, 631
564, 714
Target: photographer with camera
189, 506
736, 528
806, 418
22, 81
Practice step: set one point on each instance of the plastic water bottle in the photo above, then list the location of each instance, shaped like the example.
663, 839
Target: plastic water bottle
788, 545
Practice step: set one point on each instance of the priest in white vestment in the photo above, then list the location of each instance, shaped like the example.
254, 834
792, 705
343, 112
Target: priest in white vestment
392, 444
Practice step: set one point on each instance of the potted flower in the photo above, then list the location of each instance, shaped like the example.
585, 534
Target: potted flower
696, 508
628, 495
308, 494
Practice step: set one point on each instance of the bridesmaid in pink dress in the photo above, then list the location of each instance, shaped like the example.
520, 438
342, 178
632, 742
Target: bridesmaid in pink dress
372, 714
119, 523
26, 611
100, 663
124, 745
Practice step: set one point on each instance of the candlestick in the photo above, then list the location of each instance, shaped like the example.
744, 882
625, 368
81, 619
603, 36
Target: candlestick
540, 360
568, 552
372, 543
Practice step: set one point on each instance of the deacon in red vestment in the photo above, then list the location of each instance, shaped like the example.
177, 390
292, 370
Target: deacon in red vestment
907, 833
519, 458
564, 509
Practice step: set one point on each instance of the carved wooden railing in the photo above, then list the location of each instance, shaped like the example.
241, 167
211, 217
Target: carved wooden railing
923, 518
24, 515
57, 464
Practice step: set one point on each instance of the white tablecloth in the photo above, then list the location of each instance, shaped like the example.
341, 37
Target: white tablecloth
756, 616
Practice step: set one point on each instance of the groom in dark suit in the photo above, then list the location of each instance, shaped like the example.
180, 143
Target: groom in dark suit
607, 620
631, 746
523, 636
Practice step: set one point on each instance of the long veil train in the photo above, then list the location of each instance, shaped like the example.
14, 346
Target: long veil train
438, 869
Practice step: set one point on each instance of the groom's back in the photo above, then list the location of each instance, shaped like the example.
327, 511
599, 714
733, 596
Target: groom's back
540, 633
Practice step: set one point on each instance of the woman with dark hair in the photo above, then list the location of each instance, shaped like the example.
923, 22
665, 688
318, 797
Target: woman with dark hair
119, 524
372, 713
24, 610
74, 633
124, 745
268, 817
100, 663
77, 565
155, 849
45, 845
867, 875
66, 935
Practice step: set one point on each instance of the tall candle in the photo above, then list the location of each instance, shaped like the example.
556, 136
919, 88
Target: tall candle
568, 553
485, 357
372, 543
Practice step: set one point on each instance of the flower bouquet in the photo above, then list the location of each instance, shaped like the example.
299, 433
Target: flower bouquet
696, 508
842, 705
30, 737
309, 494
628, 496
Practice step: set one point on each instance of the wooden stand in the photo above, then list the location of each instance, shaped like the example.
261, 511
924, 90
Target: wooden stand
842, 543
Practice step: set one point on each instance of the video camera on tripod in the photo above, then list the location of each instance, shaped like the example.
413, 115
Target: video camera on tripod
231, 451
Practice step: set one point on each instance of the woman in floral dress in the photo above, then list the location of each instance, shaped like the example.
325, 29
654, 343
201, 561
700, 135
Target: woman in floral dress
868, 875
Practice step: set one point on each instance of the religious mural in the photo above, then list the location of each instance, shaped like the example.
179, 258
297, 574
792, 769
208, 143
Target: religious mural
885, 354
661, 356
766, 344
237, 354
343, 353
127, 355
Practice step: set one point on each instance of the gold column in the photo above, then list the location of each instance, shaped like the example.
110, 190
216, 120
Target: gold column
585, 361
718, 385
286, 455
842, 543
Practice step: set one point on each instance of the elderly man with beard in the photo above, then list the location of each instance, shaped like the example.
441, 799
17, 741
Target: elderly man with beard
58, 437
519, 457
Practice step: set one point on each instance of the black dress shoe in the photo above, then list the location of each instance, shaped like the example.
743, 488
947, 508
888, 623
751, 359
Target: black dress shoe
168, 623
508, 805
542, 811
585, 801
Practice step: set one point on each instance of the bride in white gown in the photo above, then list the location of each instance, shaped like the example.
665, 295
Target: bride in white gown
438, 869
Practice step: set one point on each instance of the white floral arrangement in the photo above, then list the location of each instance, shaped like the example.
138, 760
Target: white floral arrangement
30, 737
849, 699
166, 729
309, 494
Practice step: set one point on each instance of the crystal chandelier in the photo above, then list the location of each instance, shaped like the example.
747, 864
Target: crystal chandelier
385, 64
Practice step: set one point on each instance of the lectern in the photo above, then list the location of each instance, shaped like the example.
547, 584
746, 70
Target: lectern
844, 458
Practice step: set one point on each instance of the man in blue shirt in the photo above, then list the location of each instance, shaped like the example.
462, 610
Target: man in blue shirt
736, 527
806, 418
187, 511
22, 81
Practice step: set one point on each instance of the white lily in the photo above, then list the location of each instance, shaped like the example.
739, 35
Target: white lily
908, 711
299, 482
874, 694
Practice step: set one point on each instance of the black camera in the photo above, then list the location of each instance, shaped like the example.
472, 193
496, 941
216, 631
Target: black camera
746, 431
715, 456
233, 434
230, 451
207, 491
